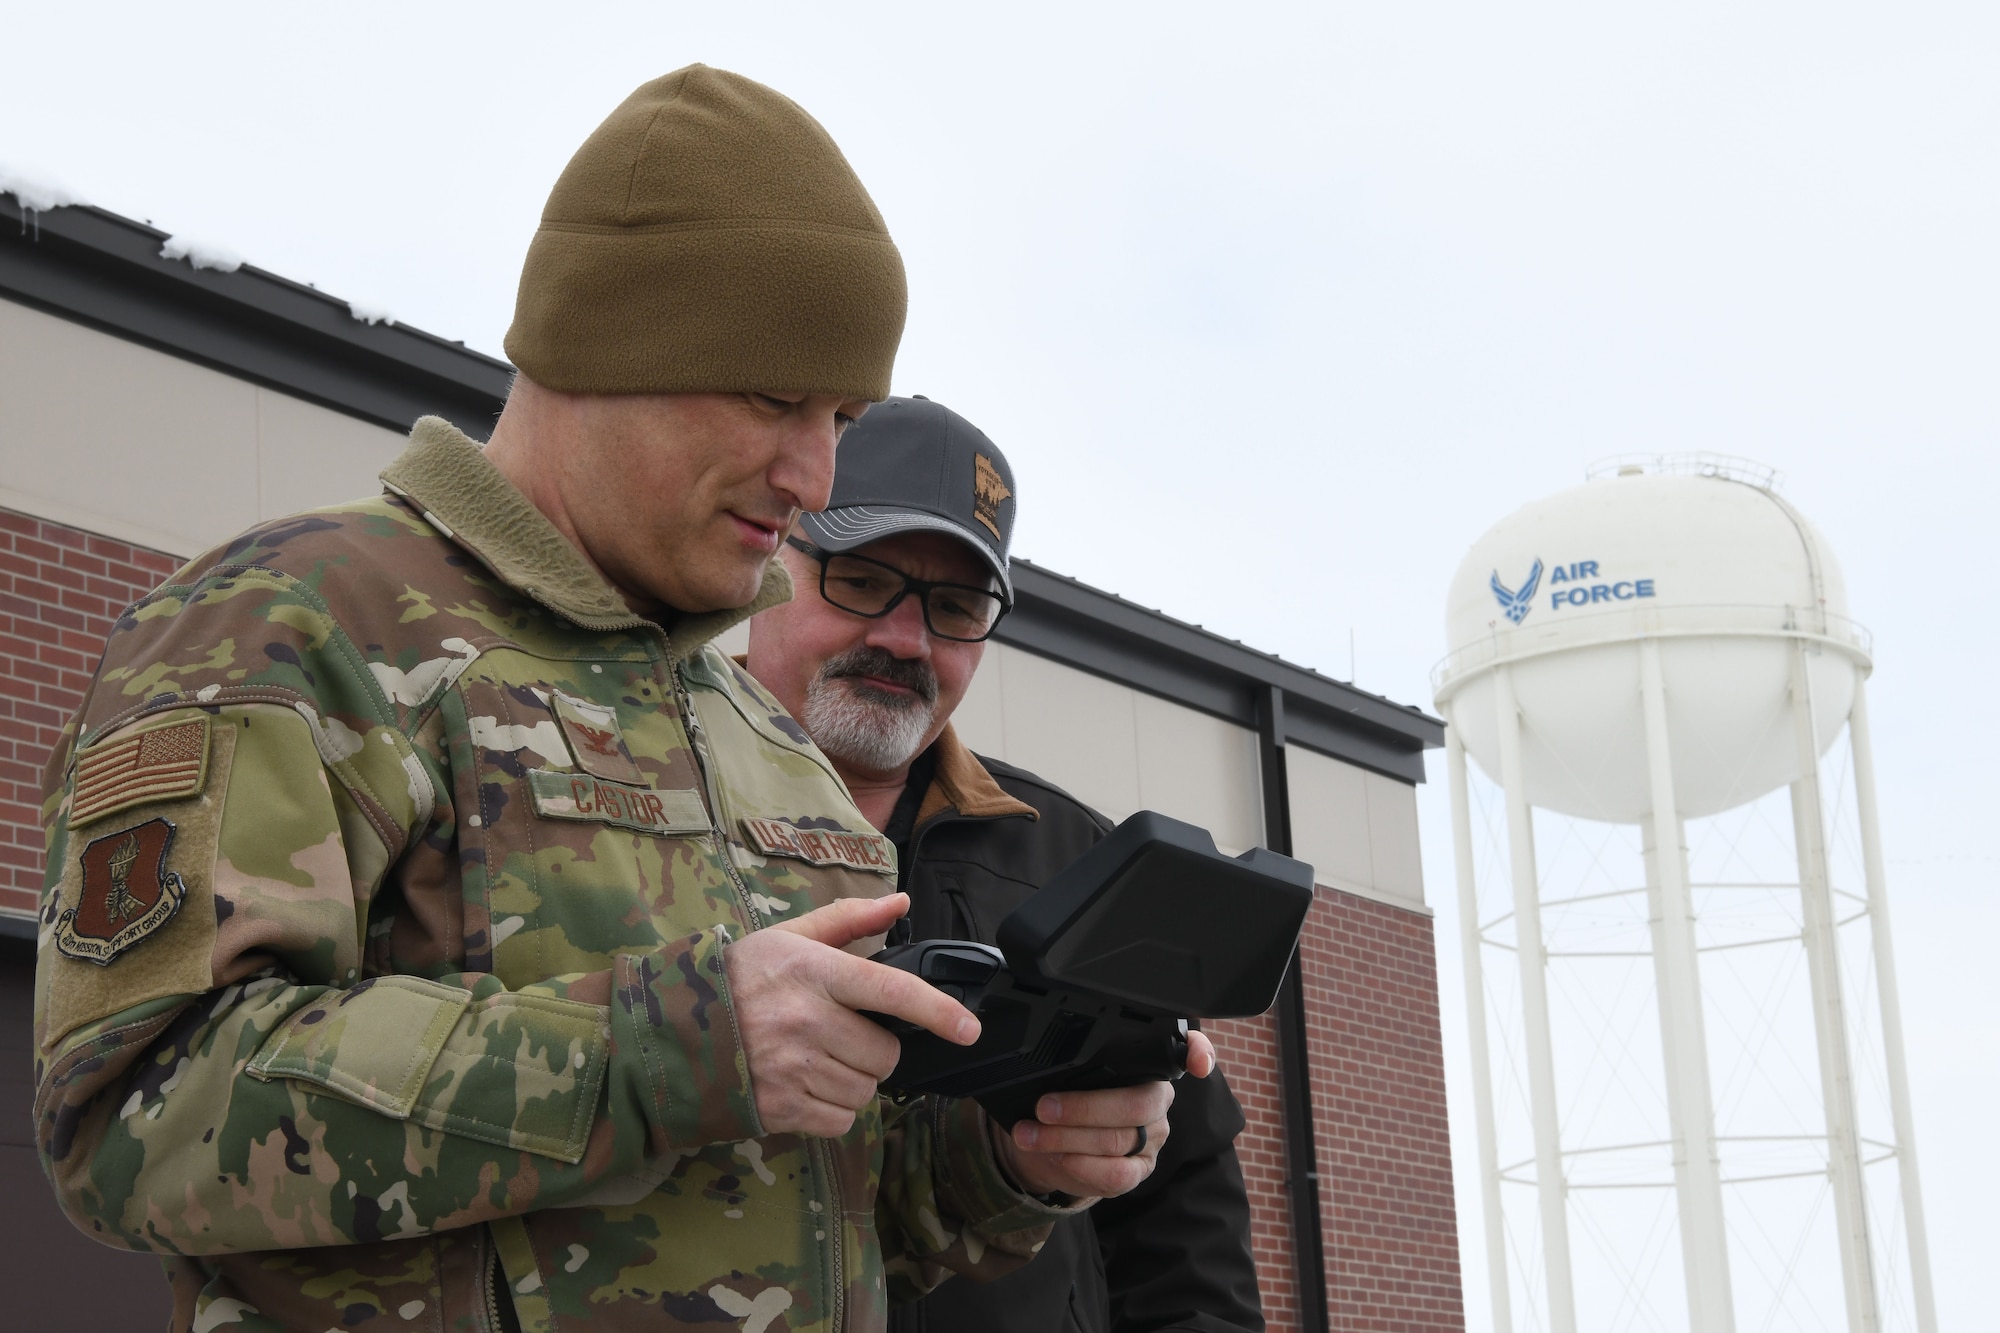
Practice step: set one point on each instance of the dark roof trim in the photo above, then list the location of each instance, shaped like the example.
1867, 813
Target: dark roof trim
106, 271
1073, 623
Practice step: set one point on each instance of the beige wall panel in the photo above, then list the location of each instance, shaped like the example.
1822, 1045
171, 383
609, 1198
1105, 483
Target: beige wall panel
313, 457
104, 434
978, 719
1114, 747
1073, 728
1330, 825
1201, 769
734, 641
1392, 838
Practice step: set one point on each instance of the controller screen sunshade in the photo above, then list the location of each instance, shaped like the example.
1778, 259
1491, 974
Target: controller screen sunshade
1156, 916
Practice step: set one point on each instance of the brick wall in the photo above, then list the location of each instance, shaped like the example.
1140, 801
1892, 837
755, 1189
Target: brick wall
1248, 1048
59, 589
1379, 1105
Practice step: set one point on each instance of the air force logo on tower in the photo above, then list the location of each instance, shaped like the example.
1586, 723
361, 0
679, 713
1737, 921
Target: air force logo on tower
1583, 591
1518, 604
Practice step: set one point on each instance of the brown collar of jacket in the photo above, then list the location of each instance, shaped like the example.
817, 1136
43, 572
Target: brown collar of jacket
449, 480
961, 783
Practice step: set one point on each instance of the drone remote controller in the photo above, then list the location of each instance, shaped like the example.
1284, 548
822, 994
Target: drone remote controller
1098, 974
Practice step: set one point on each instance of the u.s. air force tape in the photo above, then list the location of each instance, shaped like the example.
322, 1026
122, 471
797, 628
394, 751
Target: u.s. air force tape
822, 846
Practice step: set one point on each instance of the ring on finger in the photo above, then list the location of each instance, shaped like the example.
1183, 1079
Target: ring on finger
1140, 1146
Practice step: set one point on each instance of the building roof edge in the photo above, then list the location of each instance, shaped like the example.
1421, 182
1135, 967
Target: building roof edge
1100, 632
100, 269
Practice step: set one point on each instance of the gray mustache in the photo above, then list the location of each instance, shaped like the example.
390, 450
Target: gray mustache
912, 675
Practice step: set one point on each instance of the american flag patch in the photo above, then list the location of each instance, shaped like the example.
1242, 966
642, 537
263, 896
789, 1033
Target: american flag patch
154, 765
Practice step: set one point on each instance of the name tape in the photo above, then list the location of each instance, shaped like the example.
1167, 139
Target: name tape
582, 796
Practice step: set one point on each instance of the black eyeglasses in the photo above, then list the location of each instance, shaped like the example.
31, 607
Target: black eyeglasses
871, 589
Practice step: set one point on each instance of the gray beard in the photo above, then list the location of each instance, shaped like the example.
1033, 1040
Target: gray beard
864, 728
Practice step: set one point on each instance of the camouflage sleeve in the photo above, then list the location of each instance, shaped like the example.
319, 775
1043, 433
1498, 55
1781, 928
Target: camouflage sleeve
229, 1085
945, 1205
214, 1073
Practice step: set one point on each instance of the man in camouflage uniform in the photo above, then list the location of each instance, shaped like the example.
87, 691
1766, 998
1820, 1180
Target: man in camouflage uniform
403, 960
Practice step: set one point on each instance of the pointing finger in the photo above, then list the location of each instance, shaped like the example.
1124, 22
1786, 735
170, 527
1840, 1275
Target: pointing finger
840, 923
859, 984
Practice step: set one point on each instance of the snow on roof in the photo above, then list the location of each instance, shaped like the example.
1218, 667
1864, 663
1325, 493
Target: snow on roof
36, 194
201, 253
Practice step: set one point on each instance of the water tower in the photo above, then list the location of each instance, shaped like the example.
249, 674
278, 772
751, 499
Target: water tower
1659, 654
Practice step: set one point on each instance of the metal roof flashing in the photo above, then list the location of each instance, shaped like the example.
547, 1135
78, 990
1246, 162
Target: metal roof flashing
97, 268
106, 271
1055, 616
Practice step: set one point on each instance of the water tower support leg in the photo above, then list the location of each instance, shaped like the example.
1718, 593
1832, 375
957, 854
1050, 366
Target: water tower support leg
1683, 1034
1836, 1071
1914, 1229
1551, 1185
1475, 1013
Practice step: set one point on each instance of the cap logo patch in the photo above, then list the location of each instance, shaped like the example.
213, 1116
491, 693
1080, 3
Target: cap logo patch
987, 493
822, 846
156, 765
127, 893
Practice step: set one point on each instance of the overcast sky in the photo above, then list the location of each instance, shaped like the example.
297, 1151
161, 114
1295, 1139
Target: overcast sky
1274, 308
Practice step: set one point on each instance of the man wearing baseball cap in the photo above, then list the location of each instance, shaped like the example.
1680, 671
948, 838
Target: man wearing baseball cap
427, 943
902, 578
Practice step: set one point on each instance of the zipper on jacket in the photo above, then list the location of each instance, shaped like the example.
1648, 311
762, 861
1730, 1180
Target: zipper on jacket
959, 904
698, 740
823, 1159
835, 1228
492, 1296
496, 1321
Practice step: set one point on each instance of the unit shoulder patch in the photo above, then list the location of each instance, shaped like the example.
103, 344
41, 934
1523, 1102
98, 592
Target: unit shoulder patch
162, 764
822, 846
127, 894
595, 800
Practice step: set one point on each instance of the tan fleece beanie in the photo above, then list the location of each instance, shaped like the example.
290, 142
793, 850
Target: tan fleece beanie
709, 237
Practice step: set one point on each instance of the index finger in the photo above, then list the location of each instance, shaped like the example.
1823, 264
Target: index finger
860, 984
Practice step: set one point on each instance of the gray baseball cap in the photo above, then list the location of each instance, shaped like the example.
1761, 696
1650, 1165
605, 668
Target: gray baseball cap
912, 465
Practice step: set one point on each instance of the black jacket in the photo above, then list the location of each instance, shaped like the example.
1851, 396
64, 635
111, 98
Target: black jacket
1174, 1253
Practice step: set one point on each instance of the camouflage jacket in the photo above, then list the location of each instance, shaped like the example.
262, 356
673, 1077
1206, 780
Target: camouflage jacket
392, 862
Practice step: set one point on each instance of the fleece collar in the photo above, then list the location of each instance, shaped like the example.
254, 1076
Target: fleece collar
448, 478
